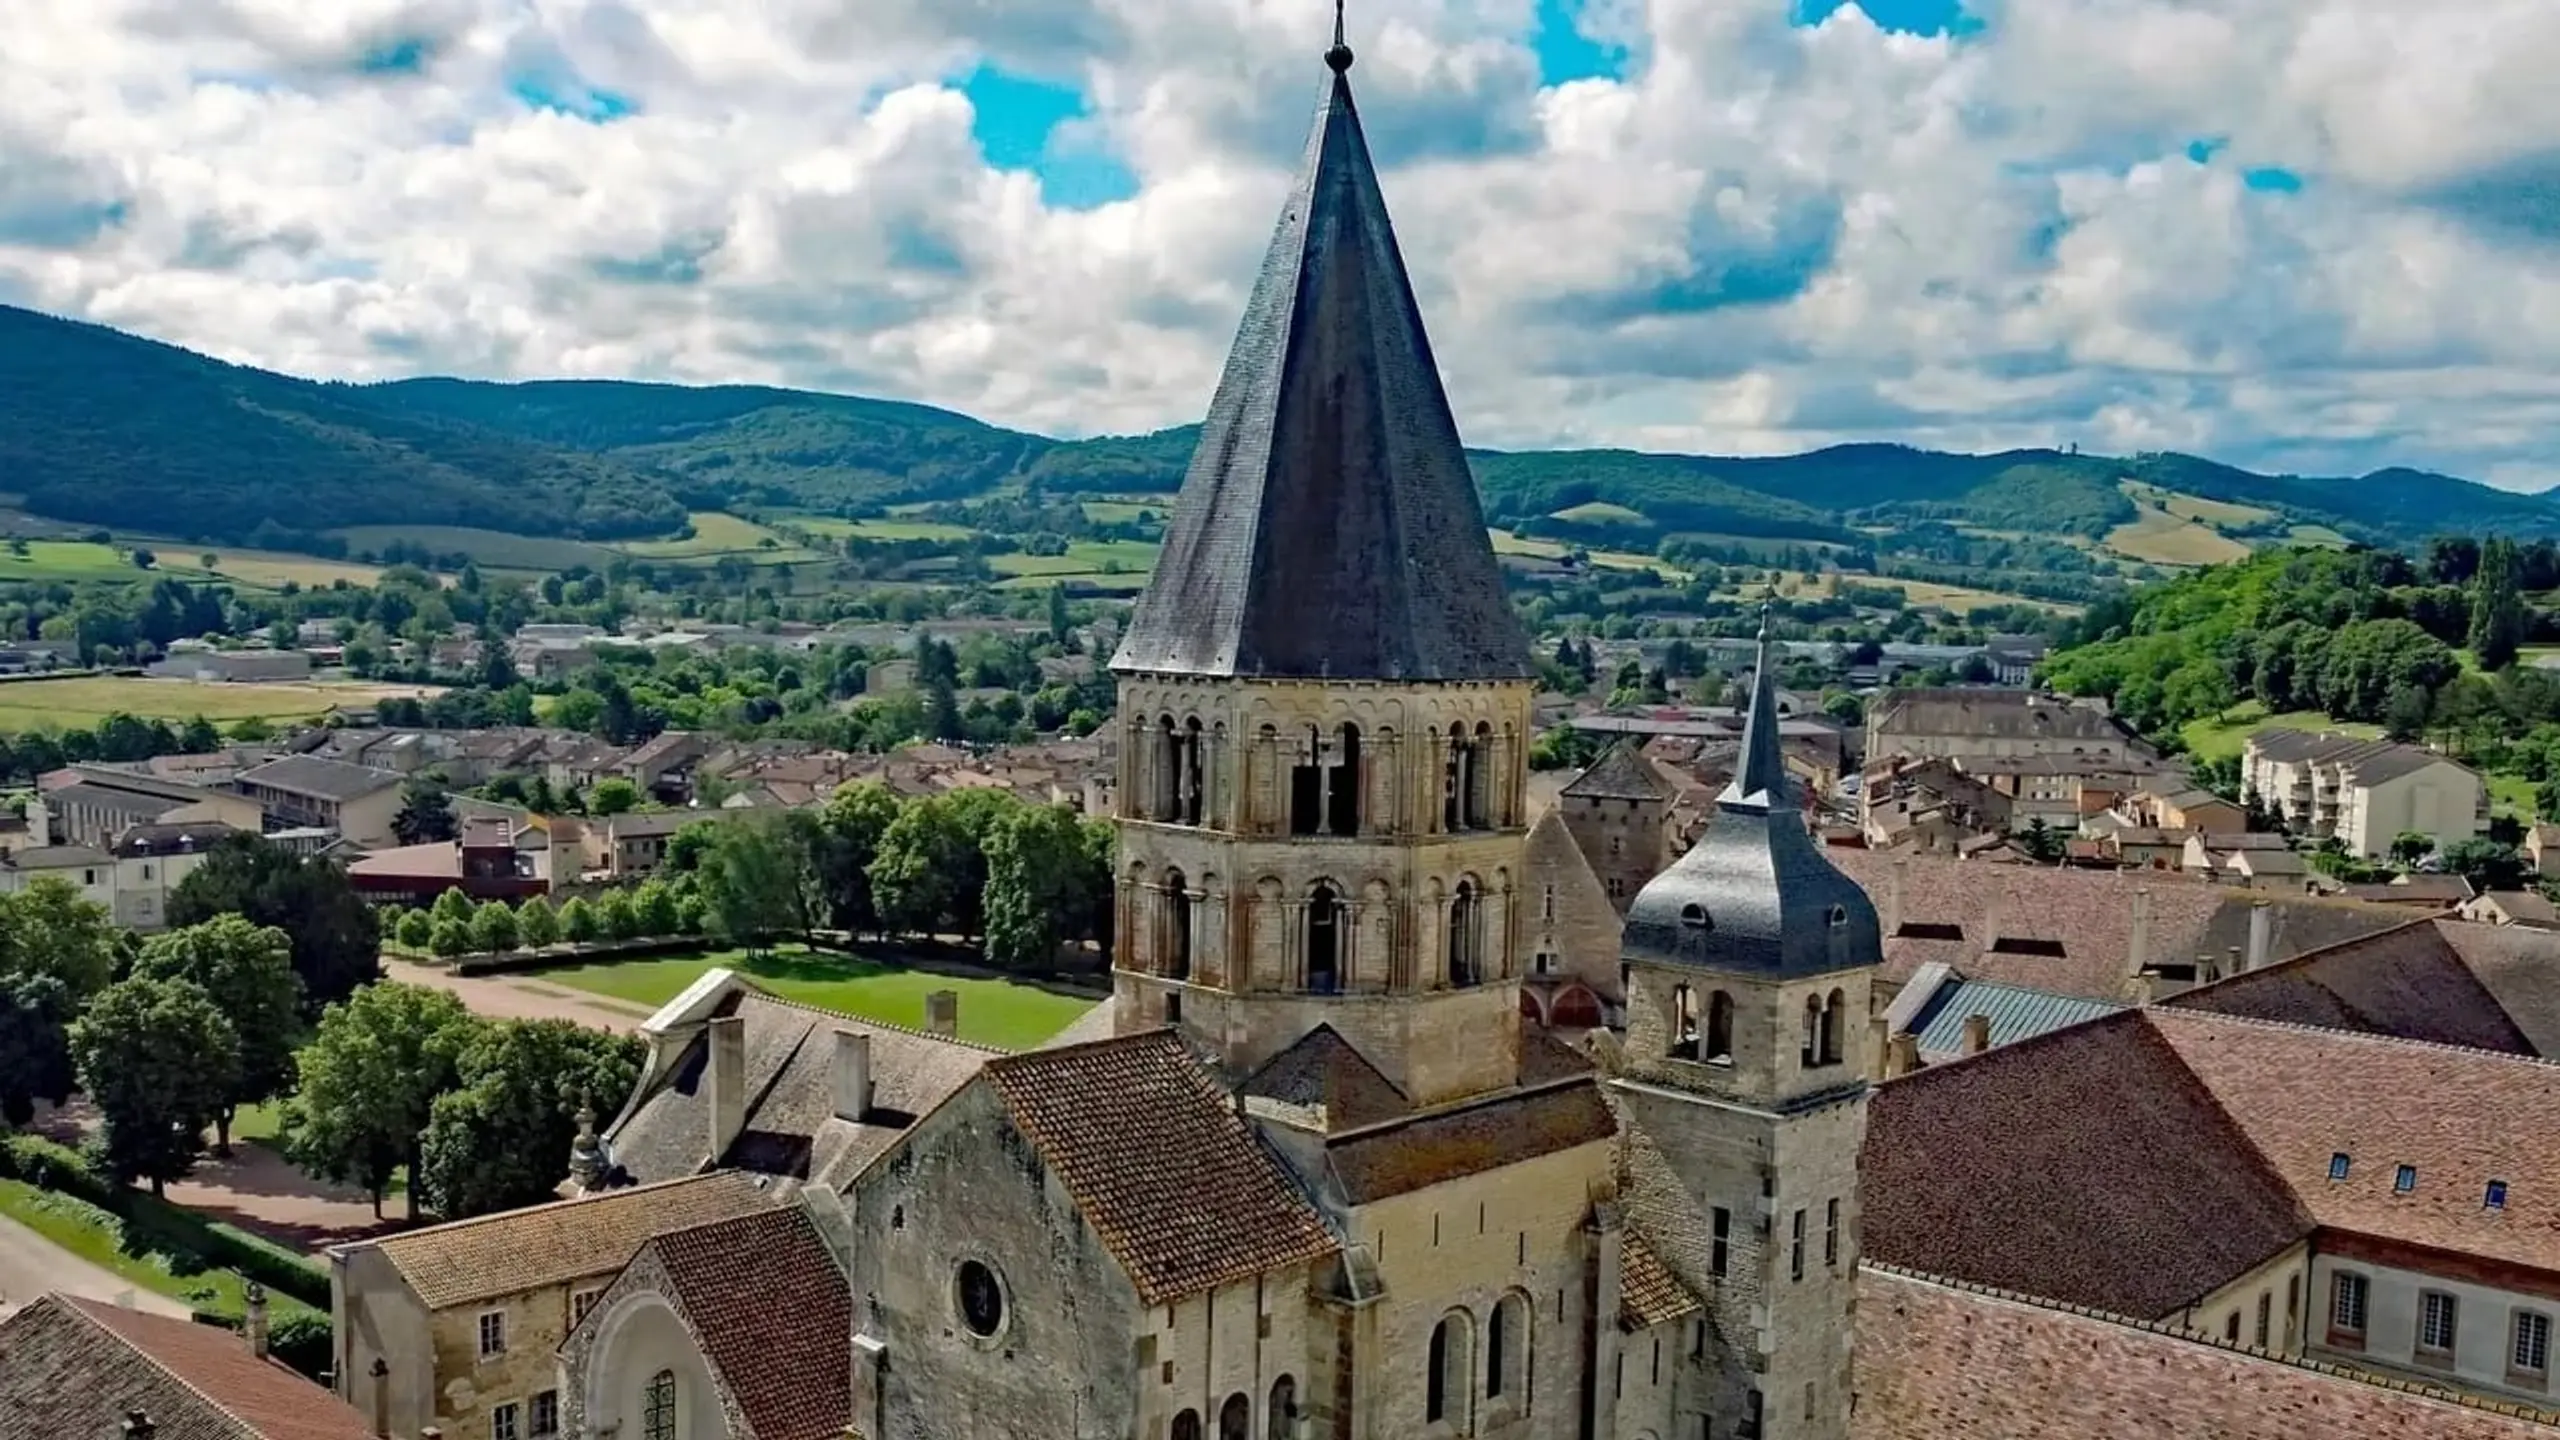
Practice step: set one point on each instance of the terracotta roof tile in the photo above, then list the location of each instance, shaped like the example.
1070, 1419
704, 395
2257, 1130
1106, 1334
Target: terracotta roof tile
520, 1250
2520, 968
2408, 982
1649, 1293
1324, 1072
1623, 772
1940, 1362
74, 1368
772, 1311
1159, 1163
1453, 1144
2085, 1165
2459, 1118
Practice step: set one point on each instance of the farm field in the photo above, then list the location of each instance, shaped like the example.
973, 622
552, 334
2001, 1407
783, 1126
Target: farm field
494, 548
1124, 511
47, 561
1506, 543
2320, 535
1084, 557
1955, 599
717, 533
84, 700
1601, 512
2163, 538
993, 1011
837, 527
2196, 507
2226, 734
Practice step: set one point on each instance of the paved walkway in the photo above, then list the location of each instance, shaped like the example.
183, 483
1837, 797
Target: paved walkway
520, 997
256, 1189
30, 1265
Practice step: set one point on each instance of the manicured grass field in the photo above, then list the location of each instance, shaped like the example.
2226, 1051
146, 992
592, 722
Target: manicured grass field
2227, 733
992, 1011
84, 700
98, 1237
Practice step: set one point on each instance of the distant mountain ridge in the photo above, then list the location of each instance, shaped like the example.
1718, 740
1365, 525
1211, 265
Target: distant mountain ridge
104, 427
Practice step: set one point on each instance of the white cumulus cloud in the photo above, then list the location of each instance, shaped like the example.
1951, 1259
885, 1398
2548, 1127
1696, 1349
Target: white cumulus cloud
2321, 235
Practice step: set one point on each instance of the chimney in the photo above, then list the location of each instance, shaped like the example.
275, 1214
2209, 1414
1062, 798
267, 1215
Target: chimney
2233, 963
138, 1426
253, 1319
381, 1373
852, 1074
2137, 941
2262, 932
1901, 1055
1977, 1034
1893, 896
942, 1014
2206, 971
726, 1081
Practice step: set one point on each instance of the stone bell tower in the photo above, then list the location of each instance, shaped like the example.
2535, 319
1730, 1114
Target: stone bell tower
1742, 1088
1324, 690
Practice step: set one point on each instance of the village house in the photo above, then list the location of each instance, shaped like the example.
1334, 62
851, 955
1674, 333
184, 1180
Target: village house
2527, 908
94, 805
73, 1368
357, 801
1992, 724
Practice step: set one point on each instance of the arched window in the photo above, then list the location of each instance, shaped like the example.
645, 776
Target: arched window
1835, 1014
1343, 800
1177, 926
1811, 1053
1168, 777
1719, 1029
1324, 940
1266, 780
1186, 1426
1684, 1025
1306, 787
1235, 1418
1464, 971
1454, 779
1435, 1386
1506, 1351
1195, 778
1480, 779
1281, 1419
658, 1407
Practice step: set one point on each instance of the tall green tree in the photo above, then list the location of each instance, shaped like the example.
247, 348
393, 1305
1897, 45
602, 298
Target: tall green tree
426, 815
930, 876
761, 876
48, 929
1041, 882
493, 928
157, 1057
336, 936
851, 826
369, 1080
501, 1138
537, 923
35, 1044
2497, 607
613, 796
247, 970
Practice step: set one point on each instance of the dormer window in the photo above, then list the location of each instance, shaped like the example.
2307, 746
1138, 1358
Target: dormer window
1696, 918
1837, 916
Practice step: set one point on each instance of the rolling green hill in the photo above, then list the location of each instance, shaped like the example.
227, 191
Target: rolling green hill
102, 427
108, 428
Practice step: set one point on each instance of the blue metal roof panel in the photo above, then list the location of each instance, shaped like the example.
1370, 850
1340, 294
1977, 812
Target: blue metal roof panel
2017, 1013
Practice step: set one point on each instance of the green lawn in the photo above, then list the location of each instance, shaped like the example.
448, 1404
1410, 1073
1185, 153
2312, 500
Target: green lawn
98, 1237
992, 1011
716, 533
84, 700
2227, 733
1133, 557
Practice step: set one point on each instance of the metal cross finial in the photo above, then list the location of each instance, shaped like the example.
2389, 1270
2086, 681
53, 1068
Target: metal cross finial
1765, 607
1339, 57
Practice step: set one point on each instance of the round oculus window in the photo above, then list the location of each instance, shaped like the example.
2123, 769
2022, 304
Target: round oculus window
981, 1299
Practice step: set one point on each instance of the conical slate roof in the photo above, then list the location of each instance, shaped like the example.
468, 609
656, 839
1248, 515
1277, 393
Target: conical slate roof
1329, 527
1755, 895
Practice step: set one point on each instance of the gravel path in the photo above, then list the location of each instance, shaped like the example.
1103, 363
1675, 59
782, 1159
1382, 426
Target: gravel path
30, 1265
503, 997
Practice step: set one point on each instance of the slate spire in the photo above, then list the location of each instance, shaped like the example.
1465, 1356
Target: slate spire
1756, 895
1328, 527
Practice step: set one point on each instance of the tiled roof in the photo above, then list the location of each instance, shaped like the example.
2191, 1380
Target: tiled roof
772, 1311
1158, 1162
2524, 906
1621, 773
2087, 914
2409, 982
1453, 1144
2086, 1166
1937, 1361
2459, 1118
1649, 1294
1323, 1072
791, 1126
1987, 714
520, 1250
2520, 969
73, 1368
327, 779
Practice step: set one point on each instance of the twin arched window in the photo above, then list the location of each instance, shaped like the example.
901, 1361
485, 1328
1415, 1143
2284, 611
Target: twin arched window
1824, 1018
1711, 1043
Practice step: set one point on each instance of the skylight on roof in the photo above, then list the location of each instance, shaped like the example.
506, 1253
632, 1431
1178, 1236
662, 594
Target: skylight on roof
2406, 1180
2496, 1199
2338, 1166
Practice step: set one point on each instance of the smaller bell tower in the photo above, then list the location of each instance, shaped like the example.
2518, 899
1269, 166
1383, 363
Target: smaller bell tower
1743, 1085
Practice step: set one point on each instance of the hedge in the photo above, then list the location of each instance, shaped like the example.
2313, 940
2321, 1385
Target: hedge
170, 1228
303, 1339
